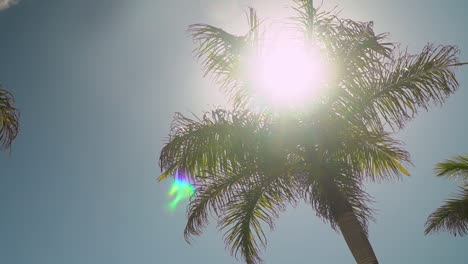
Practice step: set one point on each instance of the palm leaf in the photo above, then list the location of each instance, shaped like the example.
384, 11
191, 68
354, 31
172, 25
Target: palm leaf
396, 92
323, 185
305, 16
352, 46
373, 154
376, 82
9, 118
455, 167
216, 142
376, 155
451, 217
259, 202
241, 198
225, 56
213, 193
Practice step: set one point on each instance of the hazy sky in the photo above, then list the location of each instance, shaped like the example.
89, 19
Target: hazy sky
97, 83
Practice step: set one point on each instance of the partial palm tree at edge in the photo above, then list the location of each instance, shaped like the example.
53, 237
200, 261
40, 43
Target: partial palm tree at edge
452, 216
8, 119
247, 166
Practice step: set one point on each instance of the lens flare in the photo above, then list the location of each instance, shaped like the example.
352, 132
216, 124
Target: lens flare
180, 190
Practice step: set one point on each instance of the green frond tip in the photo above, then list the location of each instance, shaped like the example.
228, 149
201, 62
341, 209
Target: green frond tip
455, 167
458, 64
402, 169
170, 170
163, 176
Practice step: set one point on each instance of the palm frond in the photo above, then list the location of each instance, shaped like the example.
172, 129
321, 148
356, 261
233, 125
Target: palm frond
458, 64
455, 167
329, 188
394, 94
213, 193
9, 119
244, 196
305, 15
352, 46
259, 202
377, 156
451, 217
352, 189
373, 79
216, 142
224, 56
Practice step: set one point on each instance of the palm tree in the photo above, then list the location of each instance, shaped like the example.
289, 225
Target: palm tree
247, 166
453, 215
8, 119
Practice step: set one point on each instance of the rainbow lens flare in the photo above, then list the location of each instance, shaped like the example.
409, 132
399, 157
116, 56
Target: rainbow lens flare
181, 189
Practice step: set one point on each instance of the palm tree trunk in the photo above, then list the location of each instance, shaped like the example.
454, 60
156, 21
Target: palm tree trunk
355, 237
350, 227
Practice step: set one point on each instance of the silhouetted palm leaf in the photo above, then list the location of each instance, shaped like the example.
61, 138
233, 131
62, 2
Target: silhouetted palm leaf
455, 167
224, 56
8, 119
453, 215
216, 142
409, 83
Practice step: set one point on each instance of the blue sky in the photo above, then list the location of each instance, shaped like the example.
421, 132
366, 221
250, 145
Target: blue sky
97, 83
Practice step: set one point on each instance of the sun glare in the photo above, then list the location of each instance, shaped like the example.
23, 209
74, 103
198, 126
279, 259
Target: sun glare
289, 74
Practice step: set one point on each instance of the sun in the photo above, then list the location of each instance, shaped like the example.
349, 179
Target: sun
289, 74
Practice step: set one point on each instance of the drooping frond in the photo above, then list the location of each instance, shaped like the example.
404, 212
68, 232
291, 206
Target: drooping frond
377, 156
451, 217
213, 193
455, 167
353, 191
326, 187
216, 142
394, 93
259, 203
224, 56
242, 198
9, 118
244, 230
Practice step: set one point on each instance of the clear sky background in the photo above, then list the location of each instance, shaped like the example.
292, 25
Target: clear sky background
97, 83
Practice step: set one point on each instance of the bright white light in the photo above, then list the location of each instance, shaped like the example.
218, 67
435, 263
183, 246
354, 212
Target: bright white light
289, 74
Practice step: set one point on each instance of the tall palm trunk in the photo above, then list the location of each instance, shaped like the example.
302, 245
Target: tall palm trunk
351, 229
354, 235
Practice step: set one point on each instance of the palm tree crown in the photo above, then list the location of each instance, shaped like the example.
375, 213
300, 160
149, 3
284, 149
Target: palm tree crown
453, 215
8, 119
247, 165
